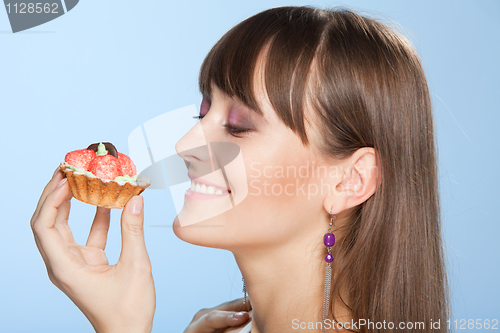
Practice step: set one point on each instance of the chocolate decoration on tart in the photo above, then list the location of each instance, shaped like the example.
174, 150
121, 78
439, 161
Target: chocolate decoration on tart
109, 147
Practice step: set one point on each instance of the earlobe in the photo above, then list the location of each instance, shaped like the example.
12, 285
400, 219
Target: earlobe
336, 201
334, 204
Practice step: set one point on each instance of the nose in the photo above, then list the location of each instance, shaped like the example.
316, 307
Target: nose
192, 146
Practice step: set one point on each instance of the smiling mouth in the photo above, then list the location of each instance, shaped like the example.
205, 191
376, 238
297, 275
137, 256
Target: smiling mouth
207, 189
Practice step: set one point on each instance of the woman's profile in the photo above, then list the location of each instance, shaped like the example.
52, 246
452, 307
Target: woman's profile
339, 225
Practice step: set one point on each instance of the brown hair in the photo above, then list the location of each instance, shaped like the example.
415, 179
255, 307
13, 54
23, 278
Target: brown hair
368, 89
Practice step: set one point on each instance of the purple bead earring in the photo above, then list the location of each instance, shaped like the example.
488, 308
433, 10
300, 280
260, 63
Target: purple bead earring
328, 240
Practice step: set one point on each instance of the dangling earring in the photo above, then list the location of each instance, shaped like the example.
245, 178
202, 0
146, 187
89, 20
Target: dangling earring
244, 293
328, 240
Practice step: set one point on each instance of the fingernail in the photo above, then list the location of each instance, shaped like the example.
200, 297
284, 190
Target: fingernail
239, 315
55, 172
136, 205
61, 182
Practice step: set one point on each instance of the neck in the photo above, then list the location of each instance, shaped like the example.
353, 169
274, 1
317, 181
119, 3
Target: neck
285, 283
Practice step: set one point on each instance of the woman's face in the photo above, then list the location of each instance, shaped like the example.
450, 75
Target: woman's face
269, 195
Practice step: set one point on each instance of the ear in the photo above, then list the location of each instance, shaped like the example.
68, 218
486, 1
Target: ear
358, 181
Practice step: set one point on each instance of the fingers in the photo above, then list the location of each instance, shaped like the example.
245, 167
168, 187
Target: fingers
49, 239
216, 319
99, 231
133, 246
57, 176
228, 314
234, 305
62, 220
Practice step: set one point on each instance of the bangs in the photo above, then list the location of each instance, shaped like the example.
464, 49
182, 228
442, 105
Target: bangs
289, 36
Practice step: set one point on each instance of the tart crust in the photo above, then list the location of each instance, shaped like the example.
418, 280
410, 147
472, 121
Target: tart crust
103, 192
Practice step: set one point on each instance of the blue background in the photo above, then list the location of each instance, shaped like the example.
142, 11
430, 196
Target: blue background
106, 67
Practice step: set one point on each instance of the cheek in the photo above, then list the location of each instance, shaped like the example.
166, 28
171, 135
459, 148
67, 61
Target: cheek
279, 200
283, 183
282, 179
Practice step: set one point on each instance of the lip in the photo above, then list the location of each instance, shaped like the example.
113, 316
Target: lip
204, 196
207, 183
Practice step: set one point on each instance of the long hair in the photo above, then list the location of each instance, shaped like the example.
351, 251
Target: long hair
365, 85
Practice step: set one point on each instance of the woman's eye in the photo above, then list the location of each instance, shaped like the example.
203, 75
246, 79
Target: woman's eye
236, 131
204, 108
233, 130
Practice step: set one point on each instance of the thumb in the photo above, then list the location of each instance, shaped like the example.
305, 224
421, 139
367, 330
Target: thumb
132, 227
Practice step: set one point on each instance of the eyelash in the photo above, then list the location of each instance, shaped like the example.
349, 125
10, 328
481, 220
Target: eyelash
234, 131
231, 130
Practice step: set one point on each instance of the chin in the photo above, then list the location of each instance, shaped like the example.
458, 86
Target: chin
205, 233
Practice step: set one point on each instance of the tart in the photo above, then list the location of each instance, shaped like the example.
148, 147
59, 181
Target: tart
99, 175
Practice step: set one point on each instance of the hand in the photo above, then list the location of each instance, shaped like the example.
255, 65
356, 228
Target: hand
115, 298
220, 317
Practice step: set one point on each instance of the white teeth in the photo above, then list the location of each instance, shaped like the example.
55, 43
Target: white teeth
202, 188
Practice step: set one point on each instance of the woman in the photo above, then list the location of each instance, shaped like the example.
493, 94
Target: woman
331, 112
